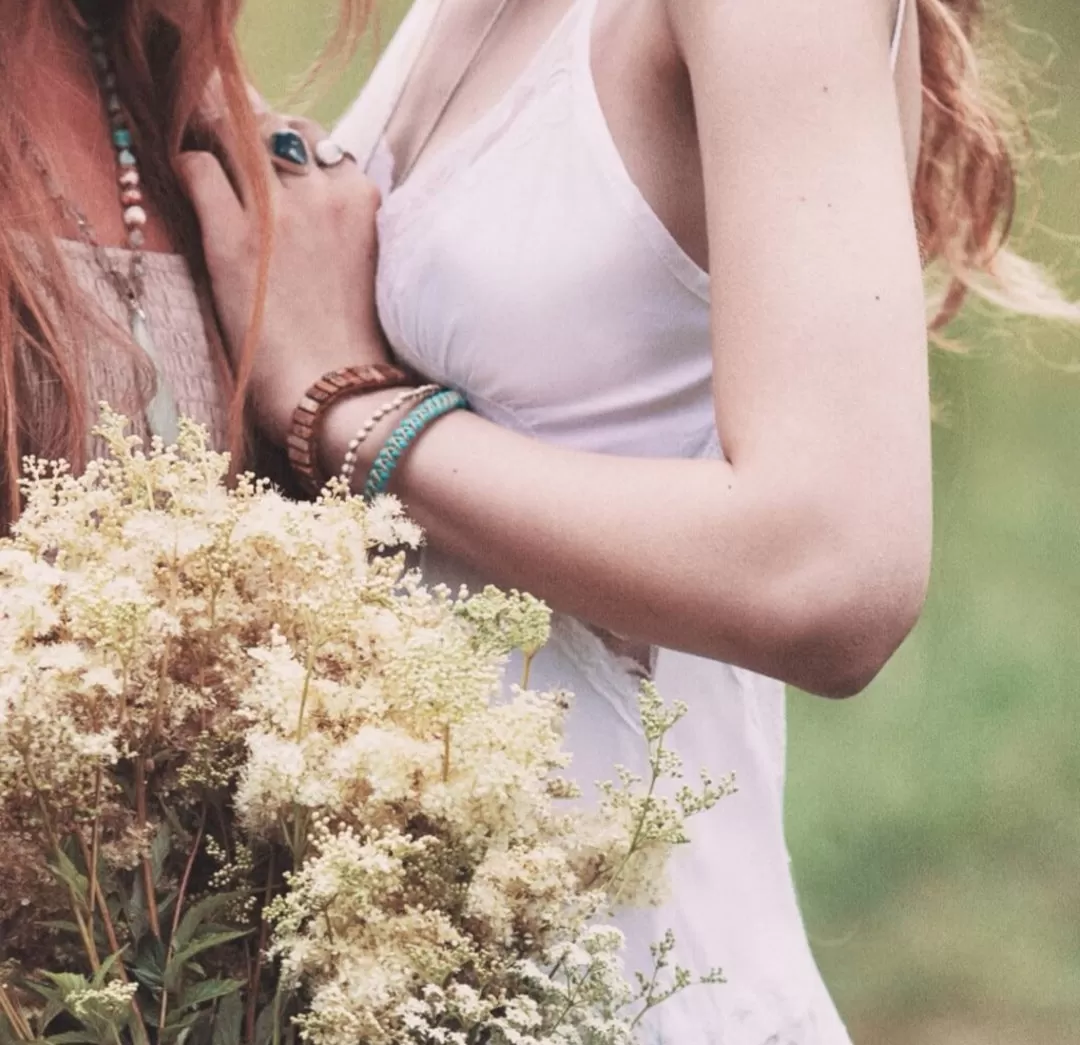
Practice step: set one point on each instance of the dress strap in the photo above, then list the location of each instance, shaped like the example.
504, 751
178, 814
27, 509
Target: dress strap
361, 128
898, 32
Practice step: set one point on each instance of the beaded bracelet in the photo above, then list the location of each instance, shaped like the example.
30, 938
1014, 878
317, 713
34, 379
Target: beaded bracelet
401, 439
348, 466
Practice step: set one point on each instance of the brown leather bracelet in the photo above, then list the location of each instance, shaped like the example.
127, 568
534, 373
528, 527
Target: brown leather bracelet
302, 443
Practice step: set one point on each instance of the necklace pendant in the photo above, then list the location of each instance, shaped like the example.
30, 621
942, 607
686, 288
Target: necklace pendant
162, 415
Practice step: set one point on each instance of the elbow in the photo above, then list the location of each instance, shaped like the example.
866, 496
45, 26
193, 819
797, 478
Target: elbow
853, 656
841, 618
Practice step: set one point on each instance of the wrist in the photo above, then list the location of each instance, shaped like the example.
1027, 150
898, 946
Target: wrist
427, 410
346, 419
366, 438
305, 436
275, 401
273, 407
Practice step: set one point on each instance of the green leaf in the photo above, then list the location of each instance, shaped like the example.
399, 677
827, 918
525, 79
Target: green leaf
208, 990
149, 965
68, 874
182, 835
54, 1002
200, 1031
228, 1023
73, 1037
53, 1008
197, 914
106, 967
264, 1025
68, 982
268, 1026
7, 1036
48, 993
181, 1023
166, 902
175, 969
137, 917
159, 852
117, 906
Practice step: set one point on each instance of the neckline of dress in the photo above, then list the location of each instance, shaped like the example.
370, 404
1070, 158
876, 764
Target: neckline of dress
436, 169
155, 259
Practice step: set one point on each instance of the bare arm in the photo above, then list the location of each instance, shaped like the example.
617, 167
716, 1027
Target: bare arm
805, 555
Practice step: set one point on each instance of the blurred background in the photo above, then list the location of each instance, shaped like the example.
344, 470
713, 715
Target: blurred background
935, 821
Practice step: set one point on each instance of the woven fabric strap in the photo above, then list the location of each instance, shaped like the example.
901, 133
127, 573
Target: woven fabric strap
382, 468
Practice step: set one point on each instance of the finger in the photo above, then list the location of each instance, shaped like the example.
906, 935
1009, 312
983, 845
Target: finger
329, 156
345, 173
312, 131
214, 102
216, 204
219, 132
292, 167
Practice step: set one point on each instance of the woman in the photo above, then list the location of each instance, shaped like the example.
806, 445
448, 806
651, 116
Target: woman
557, 178
590, 474
103, 287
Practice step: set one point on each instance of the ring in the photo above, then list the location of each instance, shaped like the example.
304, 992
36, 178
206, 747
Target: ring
328, 154
290, 152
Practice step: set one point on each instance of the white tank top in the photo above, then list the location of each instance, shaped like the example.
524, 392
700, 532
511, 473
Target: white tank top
522, 265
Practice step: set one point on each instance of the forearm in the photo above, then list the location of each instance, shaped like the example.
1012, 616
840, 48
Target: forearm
686, 554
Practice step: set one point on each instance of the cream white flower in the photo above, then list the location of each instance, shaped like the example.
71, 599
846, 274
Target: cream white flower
202, 645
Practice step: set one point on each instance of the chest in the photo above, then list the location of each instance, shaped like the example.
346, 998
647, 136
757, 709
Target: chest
477, 50
529, 257
526, 269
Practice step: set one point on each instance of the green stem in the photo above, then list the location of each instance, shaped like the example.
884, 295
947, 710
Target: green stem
54, 842
147, 870
95, 843
310, 671
180, 897
647, 998
640, 827
526, 671
276, 1038
141, 1035
20, 1026
164, 686
571, 997
256, 975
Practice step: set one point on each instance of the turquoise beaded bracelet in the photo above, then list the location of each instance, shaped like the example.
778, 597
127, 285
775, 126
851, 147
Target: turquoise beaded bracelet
402, 437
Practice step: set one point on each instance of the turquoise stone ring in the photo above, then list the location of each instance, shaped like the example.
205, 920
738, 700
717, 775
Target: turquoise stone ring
290, 152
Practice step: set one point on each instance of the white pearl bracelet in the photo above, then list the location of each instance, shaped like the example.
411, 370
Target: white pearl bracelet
348, 466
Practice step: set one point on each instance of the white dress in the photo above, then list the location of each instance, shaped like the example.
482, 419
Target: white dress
523, 266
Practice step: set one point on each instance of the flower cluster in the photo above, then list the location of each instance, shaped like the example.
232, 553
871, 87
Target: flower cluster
257, 780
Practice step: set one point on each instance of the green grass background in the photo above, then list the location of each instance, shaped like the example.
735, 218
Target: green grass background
935, 821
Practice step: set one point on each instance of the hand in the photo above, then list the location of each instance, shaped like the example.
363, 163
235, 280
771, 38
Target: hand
319, 313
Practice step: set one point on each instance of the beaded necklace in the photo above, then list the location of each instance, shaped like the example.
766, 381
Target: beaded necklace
162, 416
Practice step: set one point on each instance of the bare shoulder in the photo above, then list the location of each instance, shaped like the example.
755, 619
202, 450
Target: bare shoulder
772, 62
801, 31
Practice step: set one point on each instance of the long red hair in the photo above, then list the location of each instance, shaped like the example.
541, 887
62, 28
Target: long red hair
164, 69
964, 199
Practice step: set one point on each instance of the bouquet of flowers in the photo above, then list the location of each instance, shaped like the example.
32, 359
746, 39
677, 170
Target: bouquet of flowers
256, 782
